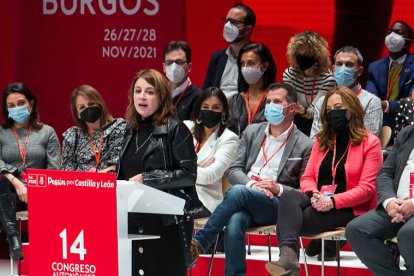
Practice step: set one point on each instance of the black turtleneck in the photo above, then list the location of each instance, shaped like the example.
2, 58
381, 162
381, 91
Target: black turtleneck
133, 161
325, 170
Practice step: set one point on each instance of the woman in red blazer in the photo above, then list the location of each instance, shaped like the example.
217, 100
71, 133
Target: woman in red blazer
338, 183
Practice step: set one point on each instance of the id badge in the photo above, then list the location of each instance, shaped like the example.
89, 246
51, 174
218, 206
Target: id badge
328, 190
23, 172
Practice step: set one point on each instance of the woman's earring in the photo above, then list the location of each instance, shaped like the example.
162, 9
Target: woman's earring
198, 121
223, 121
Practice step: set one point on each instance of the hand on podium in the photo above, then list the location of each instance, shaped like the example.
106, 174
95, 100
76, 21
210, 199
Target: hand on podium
137, 178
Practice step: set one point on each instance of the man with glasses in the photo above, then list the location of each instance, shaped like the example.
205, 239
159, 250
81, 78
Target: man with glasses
222, 71
270, 159
347, 68
392, 78
177, 65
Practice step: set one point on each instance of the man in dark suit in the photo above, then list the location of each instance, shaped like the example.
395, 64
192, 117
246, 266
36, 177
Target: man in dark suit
222, 71
392, 78
177, 65
393, 216
270, 159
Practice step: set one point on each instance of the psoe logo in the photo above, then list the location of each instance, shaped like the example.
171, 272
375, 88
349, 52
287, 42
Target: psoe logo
37, 180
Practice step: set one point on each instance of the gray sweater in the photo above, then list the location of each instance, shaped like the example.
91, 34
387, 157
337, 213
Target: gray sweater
43, 149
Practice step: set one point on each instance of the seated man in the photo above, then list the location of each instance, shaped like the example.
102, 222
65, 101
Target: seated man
347, 69
391, 78
177, 65
393, 216
270, 159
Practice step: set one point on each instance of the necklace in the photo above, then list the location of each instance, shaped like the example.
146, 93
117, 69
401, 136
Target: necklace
136, 142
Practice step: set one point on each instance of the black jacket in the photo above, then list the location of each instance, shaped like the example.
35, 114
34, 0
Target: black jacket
189, 99
170, 165
170, 162
238, 117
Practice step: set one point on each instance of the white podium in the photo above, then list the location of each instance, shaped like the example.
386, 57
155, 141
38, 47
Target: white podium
132, 197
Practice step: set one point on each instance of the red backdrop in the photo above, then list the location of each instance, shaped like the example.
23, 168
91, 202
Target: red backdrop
54, 53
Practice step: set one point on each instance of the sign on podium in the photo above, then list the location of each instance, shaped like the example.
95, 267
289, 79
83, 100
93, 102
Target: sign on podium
79, 221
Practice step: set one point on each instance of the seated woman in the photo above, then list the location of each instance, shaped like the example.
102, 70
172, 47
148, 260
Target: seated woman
158, 151
338, 183
405, 114
215, 146
95, 143
25, 142
310, 73
256, 65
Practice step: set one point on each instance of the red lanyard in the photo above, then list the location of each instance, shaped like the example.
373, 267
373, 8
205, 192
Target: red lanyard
182, 94
197, 147
392, 82
97, 155
334, 167
23, 151
250, 117
359, 92
276, 151
306, 93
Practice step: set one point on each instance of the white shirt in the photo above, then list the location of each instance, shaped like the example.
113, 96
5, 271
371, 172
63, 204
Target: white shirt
228, 82
404, 184
177, 91
209, 179
399, 60
270, 170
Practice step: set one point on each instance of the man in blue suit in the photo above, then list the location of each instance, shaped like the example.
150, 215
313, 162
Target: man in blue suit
222, 71
392, 78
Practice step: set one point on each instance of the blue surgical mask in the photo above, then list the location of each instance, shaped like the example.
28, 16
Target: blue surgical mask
344, 76
19, 114
274, 113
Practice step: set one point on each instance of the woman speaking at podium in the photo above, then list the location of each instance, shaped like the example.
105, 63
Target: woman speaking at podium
158, 151
25, 142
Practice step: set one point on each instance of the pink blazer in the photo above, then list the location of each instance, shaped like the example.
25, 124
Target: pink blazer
361, 168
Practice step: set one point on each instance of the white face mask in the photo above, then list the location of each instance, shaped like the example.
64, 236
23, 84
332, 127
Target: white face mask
230, 32
251, 74
394, 42
175, 73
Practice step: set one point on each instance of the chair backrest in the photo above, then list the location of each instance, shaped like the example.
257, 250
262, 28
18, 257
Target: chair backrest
225, 183
385, 136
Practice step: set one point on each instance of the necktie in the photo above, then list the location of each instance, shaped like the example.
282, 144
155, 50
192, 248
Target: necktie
394, 79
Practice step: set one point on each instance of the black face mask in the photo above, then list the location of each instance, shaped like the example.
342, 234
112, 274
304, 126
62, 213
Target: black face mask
210, 118
90, 114
305, 62
337, 119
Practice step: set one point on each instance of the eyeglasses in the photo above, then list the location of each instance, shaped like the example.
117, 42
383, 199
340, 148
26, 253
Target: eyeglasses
180, 62
232, 21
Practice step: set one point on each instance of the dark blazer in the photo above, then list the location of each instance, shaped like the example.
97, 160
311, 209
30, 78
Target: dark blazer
185, 106
238, 116
390, 173
292, 164
215, 70
378, 78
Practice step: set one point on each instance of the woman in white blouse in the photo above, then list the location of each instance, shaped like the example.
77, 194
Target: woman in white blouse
214, 144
